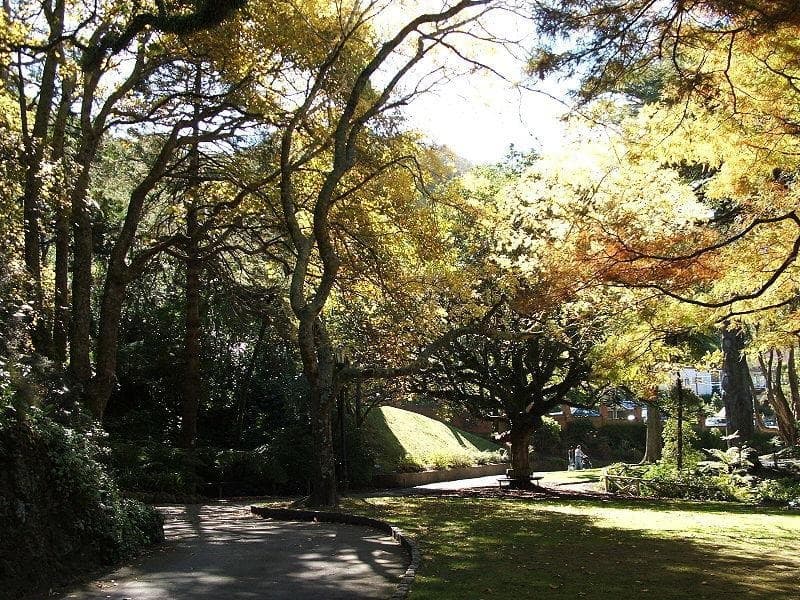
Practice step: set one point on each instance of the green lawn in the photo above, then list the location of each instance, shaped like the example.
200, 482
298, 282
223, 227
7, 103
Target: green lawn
404, 439
489, 548
579, 476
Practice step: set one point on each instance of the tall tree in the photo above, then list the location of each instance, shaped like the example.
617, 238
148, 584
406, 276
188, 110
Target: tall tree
787, 424
736, 385
518, 368
107, 55
358, 105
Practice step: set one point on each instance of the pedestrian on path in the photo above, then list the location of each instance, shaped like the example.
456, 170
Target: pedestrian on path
580, 457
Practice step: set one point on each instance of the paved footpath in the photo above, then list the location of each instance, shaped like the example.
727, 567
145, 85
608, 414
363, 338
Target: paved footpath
222, 551
490, 481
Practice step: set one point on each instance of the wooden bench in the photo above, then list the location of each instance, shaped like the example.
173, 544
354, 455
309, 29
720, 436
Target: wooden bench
509, 481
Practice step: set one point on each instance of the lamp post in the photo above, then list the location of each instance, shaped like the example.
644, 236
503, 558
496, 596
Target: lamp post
679, 440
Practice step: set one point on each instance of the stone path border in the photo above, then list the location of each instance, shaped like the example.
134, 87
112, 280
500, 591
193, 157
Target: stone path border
290, 514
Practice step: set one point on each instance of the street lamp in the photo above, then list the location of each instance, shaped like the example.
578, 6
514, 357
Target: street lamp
679, 440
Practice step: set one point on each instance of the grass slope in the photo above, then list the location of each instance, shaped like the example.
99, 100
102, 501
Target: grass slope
490, 548
407, 441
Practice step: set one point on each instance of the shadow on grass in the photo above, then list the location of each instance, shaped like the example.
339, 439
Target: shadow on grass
469, 440
394, 455
393, 452
567, 477
477, 549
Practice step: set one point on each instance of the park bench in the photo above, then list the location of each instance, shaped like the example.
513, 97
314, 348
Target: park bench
512, 481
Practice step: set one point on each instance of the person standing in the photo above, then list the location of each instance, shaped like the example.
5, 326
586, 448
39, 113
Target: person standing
579, 457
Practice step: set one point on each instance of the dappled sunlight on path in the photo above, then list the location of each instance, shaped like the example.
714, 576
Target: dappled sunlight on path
223, 551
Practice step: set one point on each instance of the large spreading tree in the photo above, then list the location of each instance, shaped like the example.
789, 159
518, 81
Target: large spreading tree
516, 368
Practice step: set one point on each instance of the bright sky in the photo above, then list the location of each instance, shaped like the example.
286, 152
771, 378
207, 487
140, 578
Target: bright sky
479, 115
478, 119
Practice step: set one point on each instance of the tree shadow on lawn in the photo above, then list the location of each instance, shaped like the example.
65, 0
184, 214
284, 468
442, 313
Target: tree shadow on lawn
572, 477
485, 550
470, 441
394, 453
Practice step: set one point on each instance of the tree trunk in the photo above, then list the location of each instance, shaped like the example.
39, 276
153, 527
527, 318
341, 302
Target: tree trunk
81, 313
737, 396
787, 427
35, 144
522, 427
654, 445
794, 386
318, 366
679, 424
61, 293
192, 376
102, 384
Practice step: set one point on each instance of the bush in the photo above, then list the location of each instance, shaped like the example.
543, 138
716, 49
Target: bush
165, 473
546, 440
609, 442
783, 491
691, 454
155, 468
667, 483
60, 511
762, 442
710, 481
663, 481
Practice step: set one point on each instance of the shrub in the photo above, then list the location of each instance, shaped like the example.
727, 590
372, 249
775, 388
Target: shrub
155, 468
691, 455
762, 441
546, 440
609, 442
784, 491
60, 511
664, 481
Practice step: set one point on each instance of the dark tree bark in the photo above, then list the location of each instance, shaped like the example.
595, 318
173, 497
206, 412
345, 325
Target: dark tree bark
192, 375
737, 396
35, 143
101, 385
81, 308
61, 292
318, 367
523, 425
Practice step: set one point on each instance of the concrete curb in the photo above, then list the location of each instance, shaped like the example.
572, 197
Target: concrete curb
407, 480
288, 514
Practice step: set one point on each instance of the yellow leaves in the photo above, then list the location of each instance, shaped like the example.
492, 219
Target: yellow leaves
587, 208
740, 117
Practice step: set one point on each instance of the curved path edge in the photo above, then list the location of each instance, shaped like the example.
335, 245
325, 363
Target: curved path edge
410, 546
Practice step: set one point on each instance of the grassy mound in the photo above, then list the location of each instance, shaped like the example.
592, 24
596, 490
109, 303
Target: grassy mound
407, 441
